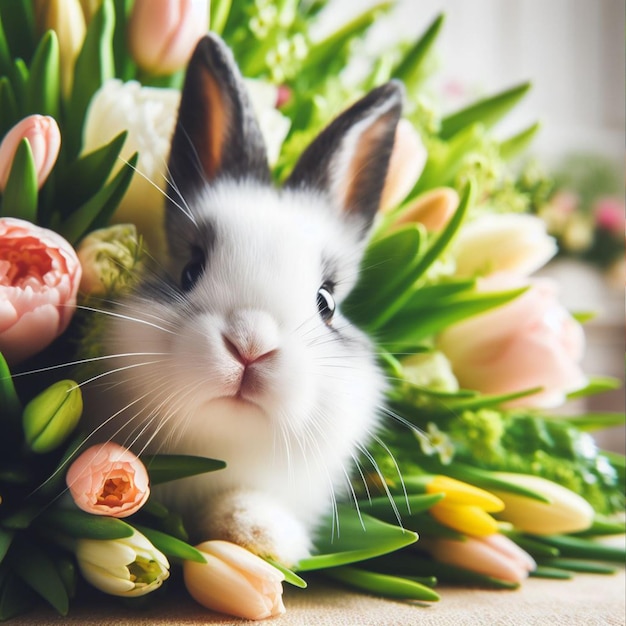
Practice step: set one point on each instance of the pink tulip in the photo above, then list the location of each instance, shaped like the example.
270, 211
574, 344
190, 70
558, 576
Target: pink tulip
43, 134
432, 209
108, 479
39, 278
162, 34
529, 342
235, 581
405, 166
495, 556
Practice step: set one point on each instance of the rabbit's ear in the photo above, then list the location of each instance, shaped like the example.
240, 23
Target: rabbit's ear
216, 133
350, 157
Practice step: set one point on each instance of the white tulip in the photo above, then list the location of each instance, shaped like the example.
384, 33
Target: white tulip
122, 567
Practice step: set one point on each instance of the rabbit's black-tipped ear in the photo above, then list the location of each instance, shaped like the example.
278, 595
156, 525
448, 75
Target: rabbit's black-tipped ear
350, 157
216, 133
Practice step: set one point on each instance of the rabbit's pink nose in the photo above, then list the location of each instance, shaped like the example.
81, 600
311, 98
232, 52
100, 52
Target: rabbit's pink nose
247, 354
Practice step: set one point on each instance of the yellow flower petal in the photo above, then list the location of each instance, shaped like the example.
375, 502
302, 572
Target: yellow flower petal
471, 520
461, 493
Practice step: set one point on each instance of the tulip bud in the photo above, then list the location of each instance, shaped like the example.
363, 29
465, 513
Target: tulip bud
567, 512
432, 209
66, 18
405, 166
43, 134
234, 581
51, 416
162, 34
122, 567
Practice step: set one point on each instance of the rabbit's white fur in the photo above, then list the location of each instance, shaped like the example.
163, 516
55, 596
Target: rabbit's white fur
293, 435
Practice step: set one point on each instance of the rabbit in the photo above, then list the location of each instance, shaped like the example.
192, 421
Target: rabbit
238, 349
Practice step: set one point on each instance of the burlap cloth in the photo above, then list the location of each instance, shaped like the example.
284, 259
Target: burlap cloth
587, 600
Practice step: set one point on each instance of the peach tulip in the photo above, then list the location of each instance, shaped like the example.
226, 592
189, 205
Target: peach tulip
108, 479
432, 209
529, 342
234, 581
43, 134
496, 556
405, 166
162, 34
39, 278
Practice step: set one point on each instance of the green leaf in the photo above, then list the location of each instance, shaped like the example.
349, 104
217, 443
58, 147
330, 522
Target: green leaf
125, 68
535, 548
597, 384
94, 65
6, 537
353, 539
383, 584
171, 546
98, 210
575, 565
435, 250
483, 400
155, 508
593, 421
220, 10
165, 467
386, 273
578, 547
87, 174
15, 598
290, 577
44, 85
326, 50
410, 70
9, 401
9, 115
381, 507
5, 53
516, 144
21, 192
67, 573
604, 526
582, 317
409, 327
83, 525
487, 111
37, 570
542, 571
19, 27
22, 518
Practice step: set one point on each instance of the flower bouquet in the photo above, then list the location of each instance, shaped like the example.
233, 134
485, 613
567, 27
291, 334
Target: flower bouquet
476, 352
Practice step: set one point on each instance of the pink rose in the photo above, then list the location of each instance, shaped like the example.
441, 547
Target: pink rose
43, 134
530, 342
162, 34
39, 277
108, 479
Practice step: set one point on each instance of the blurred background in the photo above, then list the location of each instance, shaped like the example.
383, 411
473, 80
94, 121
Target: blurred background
573, 53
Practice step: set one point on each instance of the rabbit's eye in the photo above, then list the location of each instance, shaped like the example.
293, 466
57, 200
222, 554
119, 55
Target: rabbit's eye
326, 302
192, 271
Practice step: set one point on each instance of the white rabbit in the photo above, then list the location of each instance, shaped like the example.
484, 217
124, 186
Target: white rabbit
240, 348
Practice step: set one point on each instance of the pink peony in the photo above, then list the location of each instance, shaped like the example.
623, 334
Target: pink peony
530, 342
108, 479
39, 277
43, 134
609, 214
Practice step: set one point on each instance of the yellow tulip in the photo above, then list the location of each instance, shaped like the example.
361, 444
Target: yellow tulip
465, 508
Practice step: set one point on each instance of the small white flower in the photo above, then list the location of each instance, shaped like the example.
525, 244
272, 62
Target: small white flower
435, 441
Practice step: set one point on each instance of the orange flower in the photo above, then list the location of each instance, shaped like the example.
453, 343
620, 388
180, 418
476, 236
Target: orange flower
108, 480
